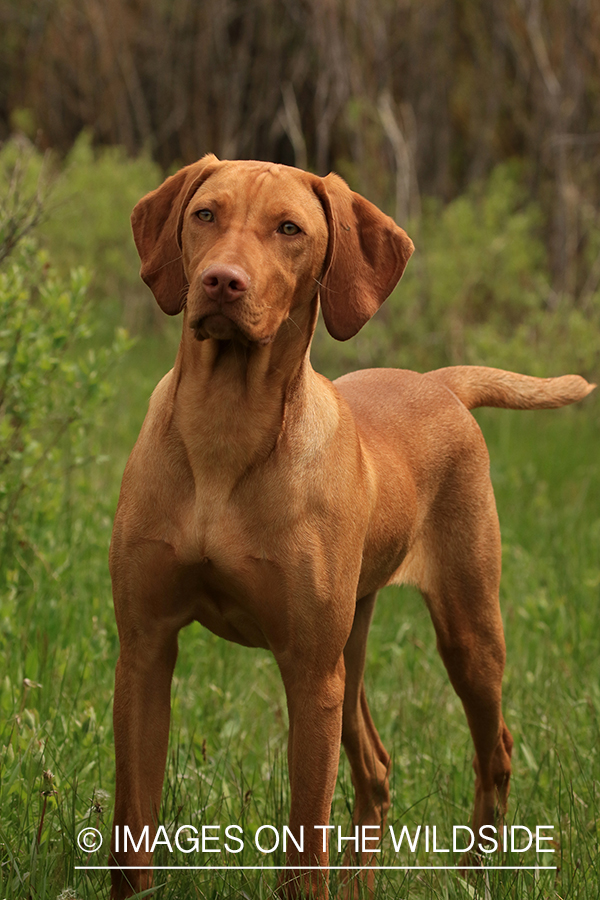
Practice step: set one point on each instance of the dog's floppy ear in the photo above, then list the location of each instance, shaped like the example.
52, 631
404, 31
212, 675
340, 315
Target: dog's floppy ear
366, 255
156, 224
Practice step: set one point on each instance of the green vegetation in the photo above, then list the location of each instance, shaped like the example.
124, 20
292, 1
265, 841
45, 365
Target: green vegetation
478, 291
87, 201
70, 407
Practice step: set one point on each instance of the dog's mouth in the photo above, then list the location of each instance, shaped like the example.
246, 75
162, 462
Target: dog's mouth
219, 327
222, 328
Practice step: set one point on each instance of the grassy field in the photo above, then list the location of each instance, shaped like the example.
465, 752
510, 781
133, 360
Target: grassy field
227, 755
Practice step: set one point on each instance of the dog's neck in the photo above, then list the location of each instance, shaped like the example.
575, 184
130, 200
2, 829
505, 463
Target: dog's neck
232, 402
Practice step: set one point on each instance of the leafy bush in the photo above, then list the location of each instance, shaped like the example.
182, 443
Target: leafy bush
86, 219
477, 291
54, 531
52, 388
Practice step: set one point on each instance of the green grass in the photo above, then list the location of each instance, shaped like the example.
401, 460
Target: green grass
227, 755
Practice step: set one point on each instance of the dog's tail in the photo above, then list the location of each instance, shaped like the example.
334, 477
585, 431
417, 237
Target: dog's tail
481, 386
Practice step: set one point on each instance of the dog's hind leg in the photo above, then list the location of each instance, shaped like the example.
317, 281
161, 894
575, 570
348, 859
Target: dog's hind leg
368, 757
463, 598
474, 658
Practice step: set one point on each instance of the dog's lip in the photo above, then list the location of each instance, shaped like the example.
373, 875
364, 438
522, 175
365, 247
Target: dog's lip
216, 325
202, 326
214, 318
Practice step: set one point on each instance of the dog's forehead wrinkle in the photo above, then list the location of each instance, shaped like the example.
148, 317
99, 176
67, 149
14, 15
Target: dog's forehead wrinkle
268, 188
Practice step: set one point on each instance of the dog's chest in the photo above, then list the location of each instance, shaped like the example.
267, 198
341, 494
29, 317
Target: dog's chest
235, 555
260, 564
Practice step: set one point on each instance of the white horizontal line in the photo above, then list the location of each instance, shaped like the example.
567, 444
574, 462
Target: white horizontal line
307, 868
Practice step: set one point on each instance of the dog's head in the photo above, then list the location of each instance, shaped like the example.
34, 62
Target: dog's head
245, 244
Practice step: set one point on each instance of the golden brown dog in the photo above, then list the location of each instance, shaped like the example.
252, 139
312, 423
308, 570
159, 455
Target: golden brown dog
271, 505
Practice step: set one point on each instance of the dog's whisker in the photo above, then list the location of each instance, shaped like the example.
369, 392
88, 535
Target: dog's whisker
293, 321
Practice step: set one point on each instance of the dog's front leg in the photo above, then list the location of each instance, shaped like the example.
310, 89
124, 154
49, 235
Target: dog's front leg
141, 726
315, 700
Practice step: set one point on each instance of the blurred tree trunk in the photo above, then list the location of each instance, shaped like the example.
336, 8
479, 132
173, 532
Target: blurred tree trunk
403, 97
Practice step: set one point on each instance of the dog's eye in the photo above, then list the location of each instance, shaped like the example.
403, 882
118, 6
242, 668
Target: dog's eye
288, 228
205, 215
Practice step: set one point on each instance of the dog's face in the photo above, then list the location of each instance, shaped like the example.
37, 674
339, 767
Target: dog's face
254, 238
245, 244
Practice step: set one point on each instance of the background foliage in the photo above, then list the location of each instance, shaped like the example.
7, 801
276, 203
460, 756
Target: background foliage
406, 99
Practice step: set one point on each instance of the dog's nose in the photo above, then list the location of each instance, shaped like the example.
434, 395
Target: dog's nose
225, 283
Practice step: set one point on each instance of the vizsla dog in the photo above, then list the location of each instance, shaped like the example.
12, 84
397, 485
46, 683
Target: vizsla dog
271, 505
